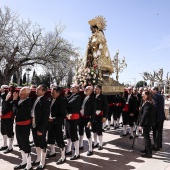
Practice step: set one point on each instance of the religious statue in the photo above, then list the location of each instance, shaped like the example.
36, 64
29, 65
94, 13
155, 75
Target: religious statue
97, 53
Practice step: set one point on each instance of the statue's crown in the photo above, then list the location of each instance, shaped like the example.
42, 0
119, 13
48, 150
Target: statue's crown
99, 21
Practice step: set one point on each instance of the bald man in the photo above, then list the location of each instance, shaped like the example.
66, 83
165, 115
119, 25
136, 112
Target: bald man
87, 114
22, 114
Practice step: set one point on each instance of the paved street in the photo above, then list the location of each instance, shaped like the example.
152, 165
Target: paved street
117, 154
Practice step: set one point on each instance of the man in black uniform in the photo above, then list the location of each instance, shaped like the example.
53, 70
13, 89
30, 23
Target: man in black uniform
129, 109
87, 113
56, 121
159, 118
72, 117
22, 113
7, 121
40, 115
100, 116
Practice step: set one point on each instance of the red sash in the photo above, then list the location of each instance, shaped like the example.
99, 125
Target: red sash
126, 108
74, 116
110, 104
6, 116
100, 114
26, 122
84, 116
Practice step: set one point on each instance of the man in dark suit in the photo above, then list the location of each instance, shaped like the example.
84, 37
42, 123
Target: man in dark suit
72, 117
7, 121
100, 116
87, 113
56, 121
159, 118
40, 115
129, 109
22, 113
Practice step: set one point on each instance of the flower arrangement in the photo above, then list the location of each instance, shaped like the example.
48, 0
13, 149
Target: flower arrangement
87, 76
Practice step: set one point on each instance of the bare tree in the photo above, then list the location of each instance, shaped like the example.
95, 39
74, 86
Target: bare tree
23, 44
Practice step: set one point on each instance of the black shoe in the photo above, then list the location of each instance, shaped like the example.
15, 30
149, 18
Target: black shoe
89, 153
60, 161
81, 148
35, 163
40, 167
130, 137
111, 124
28, 169
155, 149
32, 144
68, 153
20, 166
95, 146
108, 128
75, 157
8, 150
100, 148
3, 148
124, 135
147, 155
143, 151
49, 156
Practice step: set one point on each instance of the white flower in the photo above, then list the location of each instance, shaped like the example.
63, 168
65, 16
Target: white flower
100, 46
95, 55
94, 39
92, 72
94, 81
98, 52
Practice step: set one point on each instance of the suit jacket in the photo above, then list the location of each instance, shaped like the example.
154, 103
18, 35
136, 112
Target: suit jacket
102, 104
22, 111
132, 103
42, 112
73, 103
90, 107
159, 106
58, 109
147, 114
6, 105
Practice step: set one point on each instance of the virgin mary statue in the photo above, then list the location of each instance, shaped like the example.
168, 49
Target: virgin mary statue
97, 53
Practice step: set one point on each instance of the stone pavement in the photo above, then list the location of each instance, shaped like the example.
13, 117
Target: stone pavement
117, 154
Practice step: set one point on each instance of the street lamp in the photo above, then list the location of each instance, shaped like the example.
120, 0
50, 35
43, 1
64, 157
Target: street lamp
118, 64
28, 73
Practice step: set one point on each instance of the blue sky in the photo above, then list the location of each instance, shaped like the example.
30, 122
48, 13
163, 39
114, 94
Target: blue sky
140, 29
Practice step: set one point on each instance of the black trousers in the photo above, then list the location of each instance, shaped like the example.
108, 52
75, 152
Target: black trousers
127, 119
39, 140
71, 129
116, 114
97, 125
83, 125
22, 135
7, 127
157, 134
146, 133
55, 133
110, 113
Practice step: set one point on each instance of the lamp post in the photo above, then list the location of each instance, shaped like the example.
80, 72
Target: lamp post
28, 73
118, 64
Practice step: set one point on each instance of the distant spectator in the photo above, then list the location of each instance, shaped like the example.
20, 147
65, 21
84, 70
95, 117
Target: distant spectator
167, 106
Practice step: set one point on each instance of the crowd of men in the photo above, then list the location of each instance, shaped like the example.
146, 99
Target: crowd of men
47, 118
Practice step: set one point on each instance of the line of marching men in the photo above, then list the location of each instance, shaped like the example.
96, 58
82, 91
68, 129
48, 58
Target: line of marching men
40, 115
